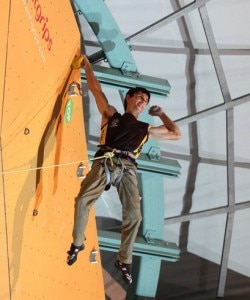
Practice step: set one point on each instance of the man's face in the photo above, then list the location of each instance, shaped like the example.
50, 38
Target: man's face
138, 102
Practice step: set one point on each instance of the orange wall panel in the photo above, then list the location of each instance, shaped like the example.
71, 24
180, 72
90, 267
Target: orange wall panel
41, 148
4, 262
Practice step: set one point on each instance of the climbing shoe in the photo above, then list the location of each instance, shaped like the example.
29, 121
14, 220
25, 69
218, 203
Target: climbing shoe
72, 253
125, 269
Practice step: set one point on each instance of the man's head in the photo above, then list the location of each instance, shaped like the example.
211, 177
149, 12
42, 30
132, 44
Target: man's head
136, 90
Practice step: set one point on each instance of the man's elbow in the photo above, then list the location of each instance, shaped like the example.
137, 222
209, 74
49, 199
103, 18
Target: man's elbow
176, 135
173, 136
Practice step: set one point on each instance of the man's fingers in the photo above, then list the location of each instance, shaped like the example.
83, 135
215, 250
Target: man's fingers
154, 109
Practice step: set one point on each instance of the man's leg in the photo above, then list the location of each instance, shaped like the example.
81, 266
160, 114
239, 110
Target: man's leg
91, 189
131, 219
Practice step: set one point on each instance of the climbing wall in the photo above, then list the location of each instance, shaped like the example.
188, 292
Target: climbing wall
42, 145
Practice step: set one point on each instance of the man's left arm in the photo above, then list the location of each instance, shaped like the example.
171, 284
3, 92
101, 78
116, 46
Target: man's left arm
168, 131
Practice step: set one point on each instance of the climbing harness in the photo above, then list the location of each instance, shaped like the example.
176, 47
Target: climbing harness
123, 168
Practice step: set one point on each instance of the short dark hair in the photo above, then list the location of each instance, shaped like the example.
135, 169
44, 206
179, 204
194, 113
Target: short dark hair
134, 90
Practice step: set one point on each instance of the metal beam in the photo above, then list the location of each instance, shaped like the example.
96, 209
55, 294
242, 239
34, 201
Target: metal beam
123, 79
110, 241
231, 201
164, 166
107, 32
213, 110
166, 20
207, 213
215, 53
230, 147
230, 157
225, 255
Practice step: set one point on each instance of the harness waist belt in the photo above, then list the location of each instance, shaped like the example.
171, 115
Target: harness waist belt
125, 153
122, 153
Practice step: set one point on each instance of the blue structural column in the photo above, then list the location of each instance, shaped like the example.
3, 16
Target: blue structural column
152, 228
152, 192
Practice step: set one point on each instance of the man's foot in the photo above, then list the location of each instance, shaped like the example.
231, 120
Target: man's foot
73, 252
125, 269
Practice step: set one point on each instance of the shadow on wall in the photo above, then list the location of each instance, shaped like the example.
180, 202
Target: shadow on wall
54, 130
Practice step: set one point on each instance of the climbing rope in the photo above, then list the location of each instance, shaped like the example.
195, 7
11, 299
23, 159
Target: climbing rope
107, 155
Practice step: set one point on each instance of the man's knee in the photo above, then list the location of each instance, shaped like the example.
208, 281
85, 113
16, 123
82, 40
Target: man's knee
81, 203
135, 218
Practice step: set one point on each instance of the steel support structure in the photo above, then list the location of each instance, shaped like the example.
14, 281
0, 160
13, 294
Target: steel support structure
227, 106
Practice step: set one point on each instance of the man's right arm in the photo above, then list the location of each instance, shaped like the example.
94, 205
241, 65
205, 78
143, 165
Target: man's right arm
94, 86
168, 130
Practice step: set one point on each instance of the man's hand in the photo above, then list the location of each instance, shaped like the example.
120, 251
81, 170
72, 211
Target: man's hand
78, 62
155, 110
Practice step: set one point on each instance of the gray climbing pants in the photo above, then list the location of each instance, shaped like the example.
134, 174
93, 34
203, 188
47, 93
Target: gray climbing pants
91, 189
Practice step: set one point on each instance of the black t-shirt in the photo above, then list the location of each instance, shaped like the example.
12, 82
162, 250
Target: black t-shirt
125, 133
